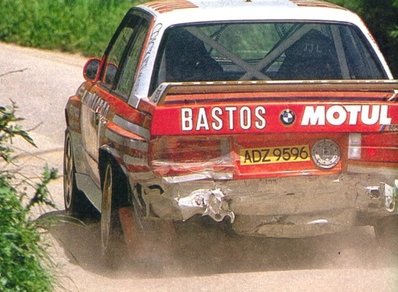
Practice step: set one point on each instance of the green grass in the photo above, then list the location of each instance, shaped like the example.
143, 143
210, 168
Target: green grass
68, 25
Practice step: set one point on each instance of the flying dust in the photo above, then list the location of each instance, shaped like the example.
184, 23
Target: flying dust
201, 248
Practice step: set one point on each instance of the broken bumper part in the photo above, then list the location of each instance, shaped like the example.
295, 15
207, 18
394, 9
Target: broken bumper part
213, 203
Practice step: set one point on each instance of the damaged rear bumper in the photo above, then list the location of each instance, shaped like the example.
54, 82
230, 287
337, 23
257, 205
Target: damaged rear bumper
284, 207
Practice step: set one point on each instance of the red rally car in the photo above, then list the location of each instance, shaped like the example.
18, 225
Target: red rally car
277, 118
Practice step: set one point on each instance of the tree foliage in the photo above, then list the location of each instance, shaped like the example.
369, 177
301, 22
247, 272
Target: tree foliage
86, 25
381, 17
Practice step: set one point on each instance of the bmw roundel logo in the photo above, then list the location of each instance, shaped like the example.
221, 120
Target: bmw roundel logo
287, 117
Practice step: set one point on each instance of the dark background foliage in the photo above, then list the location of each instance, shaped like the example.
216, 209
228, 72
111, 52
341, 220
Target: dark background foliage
381, 17
85, 26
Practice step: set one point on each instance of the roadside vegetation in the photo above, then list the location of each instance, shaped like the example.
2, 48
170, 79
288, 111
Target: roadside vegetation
24, 263
83, 26
381, 17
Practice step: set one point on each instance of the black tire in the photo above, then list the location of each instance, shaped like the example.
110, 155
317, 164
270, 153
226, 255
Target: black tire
145, 242
386, 231
111, 231
76, 202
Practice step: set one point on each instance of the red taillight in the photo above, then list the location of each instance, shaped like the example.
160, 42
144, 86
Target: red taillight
380, 147
176, 149
179, 155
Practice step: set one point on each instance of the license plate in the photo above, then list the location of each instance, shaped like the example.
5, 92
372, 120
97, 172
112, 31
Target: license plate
268, 155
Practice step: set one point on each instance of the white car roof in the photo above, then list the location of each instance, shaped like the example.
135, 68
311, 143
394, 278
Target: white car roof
183, 11
168, 13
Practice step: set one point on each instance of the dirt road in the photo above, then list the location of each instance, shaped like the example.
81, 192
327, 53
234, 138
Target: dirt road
40, 82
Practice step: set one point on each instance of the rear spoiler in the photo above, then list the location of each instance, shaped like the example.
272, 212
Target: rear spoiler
184, 88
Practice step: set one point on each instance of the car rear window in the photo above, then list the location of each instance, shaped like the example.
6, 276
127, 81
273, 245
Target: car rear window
266, 51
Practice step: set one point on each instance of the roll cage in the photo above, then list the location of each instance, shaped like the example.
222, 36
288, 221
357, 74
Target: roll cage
301, 50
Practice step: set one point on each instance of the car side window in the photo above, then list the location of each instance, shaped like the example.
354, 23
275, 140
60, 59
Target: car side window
118, 49
115, 56
127, 74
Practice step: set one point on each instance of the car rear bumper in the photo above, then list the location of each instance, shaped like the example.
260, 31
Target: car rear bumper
283, 207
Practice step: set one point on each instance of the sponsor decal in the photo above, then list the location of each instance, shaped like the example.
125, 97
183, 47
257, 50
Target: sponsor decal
272, 118
149, 49
221, 118
338, 115
287, 117
390, 128
151, 44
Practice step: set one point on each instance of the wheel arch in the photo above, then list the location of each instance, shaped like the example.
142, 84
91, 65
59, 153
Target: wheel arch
66, 117
123, 194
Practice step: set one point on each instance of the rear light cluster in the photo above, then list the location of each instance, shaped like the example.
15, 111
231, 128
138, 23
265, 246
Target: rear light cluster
380, 147
355, 146
178, 155
177, 149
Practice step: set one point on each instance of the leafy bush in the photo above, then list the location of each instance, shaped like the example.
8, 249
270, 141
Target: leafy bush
24, 265
68, 25
21, 254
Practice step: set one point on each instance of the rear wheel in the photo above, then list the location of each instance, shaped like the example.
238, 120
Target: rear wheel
76, 203
110, 224
386, 230
123, 231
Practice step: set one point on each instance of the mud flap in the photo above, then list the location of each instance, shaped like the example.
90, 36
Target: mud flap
129, 227
150, 239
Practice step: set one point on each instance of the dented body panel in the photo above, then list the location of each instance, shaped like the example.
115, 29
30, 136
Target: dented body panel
242, 134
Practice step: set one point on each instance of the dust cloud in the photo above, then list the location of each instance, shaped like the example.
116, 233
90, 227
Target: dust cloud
202, 249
